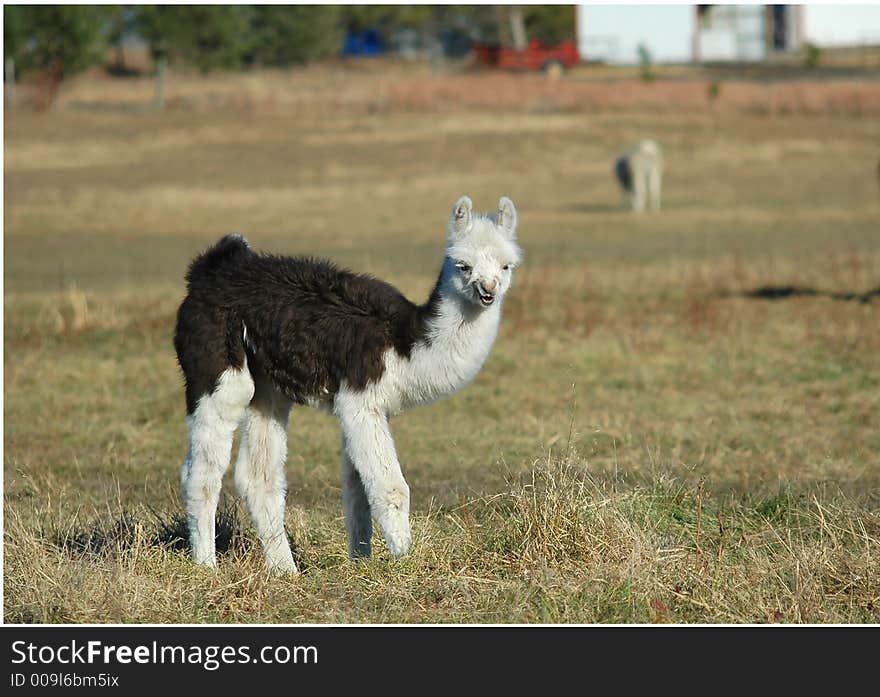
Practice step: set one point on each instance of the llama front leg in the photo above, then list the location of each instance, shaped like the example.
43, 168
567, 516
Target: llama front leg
655, 185
358, 522
638, 193
260, 477
368, 443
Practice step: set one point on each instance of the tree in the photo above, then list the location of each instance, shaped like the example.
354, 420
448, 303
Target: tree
121, 20
155, 24
60, 39
550, 24
209, 37
283, 35
69, 35
517, 27
14, 37
14, 30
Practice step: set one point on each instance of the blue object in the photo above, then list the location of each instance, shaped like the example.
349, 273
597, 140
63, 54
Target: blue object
362, 43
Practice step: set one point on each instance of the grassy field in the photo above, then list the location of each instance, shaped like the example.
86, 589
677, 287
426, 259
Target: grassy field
646, 443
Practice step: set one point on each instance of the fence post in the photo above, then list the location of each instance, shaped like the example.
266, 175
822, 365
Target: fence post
9, 79
159, 96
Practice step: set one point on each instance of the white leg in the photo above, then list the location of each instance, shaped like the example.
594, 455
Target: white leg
260, 477
211, 428
358, 522
655, 185
638, 192
367, 440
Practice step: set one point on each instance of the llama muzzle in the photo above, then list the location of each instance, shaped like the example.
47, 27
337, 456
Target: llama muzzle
486, 291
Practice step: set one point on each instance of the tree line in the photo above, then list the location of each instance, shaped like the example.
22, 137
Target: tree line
70, 38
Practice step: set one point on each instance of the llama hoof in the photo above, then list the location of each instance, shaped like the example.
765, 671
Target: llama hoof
206, 563
401, 546
283, 569
360, 552
202, 554
281, 563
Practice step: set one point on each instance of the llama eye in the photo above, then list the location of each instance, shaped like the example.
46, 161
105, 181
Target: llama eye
506, 267
464, 267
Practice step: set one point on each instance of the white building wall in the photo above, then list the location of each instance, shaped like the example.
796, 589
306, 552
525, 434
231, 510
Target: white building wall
733, 33
613, 33
842, 25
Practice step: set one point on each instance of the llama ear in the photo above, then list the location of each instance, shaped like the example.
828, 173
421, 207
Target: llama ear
460, 220
507, 216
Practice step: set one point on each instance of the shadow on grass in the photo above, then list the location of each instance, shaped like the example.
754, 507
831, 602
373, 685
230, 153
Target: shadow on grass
597, 208
783, 292
126, 530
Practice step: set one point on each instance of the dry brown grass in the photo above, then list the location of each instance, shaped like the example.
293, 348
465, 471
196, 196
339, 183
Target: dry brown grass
555, 545
382, 87
650, 444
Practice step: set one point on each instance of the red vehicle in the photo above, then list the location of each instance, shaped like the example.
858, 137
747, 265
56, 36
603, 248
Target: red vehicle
536, 56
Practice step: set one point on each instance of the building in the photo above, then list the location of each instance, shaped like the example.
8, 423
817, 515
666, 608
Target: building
693, 33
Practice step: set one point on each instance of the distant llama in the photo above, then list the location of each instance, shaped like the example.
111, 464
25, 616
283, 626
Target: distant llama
257, 333
640, 174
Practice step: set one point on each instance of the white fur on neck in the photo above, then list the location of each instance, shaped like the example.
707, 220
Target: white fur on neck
459, 338
460, 341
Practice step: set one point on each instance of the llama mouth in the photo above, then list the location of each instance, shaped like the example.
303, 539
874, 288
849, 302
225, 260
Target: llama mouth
486, 299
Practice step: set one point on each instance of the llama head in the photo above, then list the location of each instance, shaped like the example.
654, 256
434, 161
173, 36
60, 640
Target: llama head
481, 251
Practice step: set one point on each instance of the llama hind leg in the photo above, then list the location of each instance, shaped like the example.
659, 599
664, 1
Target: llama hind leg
358, 521
211, 428
259, 474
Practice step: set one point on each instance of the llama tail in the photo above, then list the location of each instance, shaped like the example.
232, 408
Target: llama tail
228, 249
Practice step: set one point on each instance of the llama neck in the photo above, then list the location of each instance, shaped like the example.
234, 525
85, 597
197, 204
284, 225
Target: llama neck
457, 339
